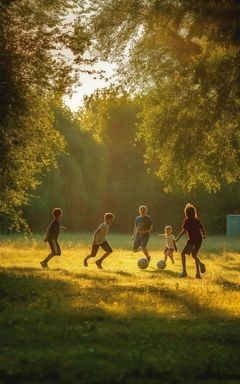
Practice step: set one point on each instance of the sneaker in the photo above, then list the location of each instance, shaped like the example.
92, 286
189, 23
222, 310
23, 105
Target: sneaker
182, 274
85, 262
202, 268
44, 264
198, 276
99, 264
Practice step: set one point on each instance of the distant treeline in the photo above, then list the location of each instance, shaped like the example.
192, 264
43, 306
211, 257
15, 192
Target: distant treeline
102, 169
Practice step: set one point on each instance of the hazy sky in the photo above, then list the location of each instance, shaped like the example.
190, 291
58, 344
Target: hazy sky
89, 84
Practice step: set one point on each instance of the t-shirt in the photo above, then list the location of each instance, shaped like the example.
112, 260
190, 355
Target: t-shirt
169, 240
101, 233
53, 230
194, 229
143, 223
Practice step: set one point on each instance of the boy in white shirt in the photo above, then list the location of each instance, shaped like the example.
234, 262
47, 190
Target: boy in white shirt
171, 245
99, 240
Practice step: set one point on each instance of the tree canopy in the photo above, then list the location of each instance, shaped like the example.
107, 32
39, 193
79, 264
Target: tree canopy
183, 56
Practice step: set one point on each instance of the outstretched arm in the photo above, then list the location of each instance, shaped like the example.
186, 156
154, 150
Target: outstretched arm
47, 233
203, 232
95, 234
134, 232
181, 234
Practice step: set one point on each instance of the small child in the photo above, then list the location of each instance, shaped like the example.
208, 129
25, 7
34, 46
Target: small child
141, 232
196, 232
99, 240
52, 234
171, 245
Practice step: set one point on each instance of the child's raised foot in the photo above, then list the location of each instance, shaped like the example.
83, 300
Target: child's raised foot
182, 274
99, 264
202, 268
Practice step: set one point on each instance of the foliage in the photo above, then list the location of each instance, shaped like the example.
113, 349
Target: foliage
187, 53
33, 72
103, 169
76, 184
111, 116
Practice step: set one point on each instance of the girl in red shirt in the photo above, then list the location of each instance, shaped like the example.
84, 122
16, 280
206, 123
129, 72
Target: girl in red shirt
196, 233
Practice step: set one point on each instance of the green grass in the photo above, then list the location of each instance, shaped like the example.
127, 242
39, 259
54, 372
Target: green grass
71, 324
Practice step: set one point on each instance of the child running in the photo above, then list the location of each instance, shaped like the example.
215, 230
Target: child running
51, 237
99, 240
141, 232
196, 232
171, 245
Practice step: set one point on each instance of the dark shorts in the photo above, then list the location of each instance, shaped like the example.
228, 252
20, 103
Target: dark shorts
140, 241
105, 246
192, 248
55, 247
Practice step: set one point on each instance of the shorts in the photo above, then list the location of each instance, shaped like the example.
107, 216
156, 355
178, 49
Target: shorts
140, 241
169, 251
55, 247
105, 246
192, 248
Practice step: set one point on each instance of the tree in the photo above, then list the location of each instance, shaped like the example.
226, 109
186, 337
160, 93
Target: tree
33, 72
187, 53
111, 116
78, 182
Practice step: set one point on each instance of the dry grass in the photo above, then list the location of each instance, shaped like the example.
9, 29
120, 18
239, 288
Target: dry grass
151, 310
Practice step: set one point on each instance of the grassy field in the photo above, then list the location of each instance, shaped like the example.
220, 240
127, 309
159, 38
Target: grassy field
71, 324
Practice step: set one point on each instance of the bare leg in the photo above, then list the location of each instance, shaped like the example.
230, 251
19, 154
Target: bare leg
184, 262
46, 260
86, 259
145, 251
197, 262
165, 257
99, 262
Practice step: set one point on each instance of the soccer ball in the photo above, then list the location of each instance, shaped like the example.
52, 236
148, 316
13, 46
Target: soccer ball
143, 263
161, 264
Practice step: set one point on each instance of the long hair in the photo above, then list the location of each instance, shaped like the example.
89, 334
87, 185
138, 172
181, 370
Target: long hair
190, 211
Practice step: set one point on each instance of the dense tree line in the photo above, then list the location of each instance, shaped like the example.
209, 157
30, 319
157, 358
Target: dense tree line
103, 169
76, 184
172, 137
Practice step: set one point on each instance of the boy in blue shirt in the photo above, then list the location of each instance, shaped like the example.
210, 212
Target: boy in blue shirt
141, 232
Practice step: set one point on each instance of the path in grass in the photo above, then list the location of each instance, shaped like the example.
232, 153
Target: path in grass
69, 324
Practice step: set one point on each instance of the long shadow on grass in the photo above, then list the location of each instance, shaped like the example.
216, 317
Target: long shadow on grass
164, 272
232, 268
229, 285
86, 276
43, 341
63, 272
102, 291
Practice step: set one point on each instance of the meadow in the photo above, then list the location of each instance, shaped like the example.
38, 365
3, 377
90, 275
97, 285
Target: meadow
71, 324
